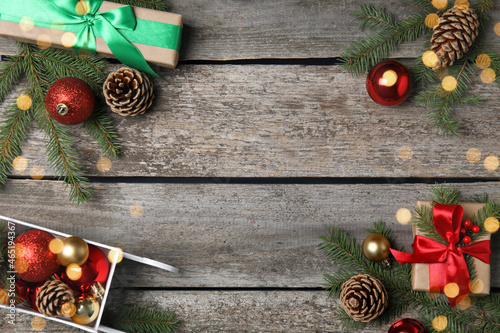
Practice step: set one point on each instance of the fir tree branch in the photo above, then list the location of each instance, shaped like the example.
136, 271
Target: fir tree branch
100, 126
372, 17
141, 320
445, 194
13, 131
10, 71
366, 52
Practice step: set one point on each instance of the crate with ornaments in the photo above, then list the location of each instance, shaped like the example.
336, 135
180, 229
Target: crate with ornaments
58, 276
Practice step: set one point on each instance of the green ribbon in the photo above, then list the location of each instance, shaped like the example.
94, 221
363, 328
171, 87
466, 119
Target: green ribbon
118, 27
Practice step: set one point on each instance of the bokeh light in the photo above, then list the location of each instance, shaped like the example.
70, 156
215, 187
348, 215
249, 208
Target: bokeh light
483, 61
56, 245
115, 255
405, 153
82, 7
104, 164
476, 286
473, 155
37, 172
461, 5
24, 102
20, 164
388, 79
451, 290
38, 324
488, 75
432, 20
491, 224
136, 210
430, 59
26, 24
68, 309
449, 83
403, 216
74, 272
491, 163
440, 4
440, 323
496, 28
465, 304
68, 39
44, 42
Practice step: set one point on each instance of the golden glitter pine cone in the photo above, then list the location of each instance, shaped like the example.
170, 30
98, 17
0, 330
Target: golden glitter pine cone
363, 297
454, 35
128, 92
51, 297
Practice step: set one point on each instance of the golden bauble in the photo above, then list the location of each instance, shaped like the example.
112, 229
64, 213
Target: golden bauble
75, 251
491, 224
87, 310
376, 247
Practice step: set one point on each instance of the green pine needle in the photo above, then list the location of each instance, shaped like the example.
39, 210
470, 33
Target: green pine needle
10, 71
135, 319
445, 194
100, 126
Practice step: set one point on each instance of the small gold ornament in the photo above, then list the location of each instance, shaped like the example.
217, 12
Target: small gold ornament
75, 251
376, 247
87, 310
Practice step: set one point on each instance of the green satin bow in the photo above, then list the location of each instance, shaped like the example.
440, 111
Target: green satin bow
118, 27
107, 24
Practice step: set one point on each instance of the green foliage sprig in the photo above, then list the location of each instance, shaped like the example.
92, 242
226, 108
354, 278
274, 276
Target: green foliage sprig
346, 253
141, 320
366, 52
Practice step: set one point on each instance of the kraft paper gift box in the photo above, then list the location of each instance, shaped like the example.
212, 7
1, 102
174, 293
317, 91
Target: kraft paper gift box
157, 34
420, 272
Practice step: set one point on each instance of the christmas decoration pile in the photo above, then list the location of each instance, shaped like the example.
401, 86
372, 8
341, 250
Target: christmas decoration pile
59, 277
374, 294
456, 32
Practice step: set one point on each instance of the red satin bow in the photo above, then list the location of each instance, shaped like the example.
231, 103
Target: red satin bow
446, 262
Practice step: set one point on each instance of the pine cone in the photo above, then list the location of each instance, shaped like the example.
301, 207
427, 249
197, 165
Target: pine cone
128, 92
453, 36
363, 297
51, 297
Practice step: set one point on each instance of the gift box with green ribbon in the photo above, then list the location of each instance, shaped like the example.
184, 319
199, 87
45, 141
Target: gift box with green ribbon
133, 35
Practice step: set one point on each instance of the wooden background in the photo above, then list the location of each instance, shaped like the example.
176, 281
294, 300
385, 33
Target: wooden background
256, 142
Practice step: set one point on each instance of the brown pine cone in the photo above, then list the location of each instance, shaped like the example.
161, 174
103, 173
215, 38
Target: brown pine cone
454, 35
51, 297
363, 297
128, 92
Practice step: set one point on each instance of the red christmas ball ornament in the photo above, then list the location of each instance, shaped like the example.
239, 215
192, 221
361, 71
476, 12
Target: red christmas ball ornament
476, 229
467, 224
34, 262
389, 83
70, 101
33, 289
95, 269
407, 325
466, 240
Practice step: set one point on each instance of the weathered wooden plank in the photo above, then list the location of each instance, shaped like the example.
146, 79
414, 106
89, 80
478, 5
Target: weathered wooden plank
224, 30
224, 235
231, 311
285, 121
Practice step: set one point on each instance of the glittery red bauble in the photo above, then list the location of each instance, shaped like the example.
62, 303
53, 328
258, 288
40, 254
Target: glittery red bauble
70, 101
407, 325
95, 269
34, 262
389, 83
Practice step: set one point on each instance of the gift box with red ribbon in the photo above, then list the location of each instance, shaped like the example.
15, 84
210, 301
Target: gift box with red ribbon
441, 267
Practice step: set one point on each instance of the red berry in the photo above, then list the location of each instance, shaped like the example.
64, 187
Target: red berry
466, 239
462, 231
476, 229
467, 224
